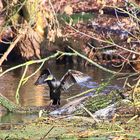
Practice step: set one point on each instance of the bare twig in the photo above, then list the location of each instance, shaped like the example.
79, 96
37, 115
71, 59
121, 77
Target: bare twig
4, 57
80, 94
94, 118
20, 83
47, 133
101, 40
97, 90
133, 118
27, 64
31, 62
135, 89
97, 65
26, 79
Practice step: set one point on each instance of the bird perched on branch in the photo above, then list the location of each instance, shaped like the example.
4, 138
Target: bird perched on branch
70, 78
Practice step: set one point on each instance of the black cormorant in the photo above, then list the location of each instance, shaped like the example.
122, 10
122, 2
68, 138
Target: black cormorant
71, 77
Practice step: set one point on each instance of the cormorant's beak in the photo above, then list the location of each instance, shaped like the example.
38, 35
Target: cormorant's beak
49, 78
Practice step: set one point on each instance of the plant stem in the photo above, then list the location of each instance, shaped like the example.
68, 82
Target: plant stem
20, 83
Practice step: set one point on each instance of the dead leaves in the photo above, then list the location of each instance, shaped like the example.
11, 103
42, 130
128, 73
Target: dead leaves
29, 45
52, 34
68, 10
86, 133
119, 138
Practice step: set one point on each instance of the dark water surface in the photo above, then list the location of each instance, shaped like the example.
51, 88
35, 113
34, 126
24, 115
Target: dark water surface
31, 95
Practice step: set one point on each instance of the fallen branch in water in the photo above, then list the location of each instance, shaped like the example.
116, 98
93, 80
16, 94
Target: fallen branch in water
93, 117
10, 106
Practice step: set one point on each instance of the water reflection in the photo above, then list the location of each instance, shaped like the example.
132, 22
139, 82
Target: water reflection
29, 94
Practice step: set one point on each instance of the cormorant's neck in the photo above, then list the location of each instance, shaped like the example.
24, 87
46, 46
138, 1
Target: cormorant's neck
50, 82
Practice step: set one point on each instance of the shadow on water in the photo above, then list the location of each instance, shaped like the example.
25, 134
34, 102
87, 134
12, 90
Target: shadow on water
31, 95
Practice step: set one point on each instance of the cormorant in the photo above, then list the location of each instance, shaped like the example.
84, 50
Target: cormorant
71, 77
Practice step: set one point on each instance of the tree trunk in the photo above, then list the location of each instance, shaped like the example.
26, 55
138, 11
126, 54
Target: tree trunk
28, 15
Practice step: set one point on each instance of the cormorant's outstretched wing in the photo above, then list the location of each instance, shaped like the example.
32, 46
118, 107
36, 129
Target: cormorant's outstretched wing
41, 79
72, 77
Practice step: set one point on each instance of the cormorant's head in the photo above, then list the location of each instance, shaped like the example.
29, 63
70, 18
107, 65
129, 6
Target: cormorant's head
44, 77
49, 78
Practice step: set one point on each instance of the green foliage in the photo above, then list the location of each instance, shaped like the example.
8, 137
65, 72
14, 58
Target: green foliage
76, 17
100, 101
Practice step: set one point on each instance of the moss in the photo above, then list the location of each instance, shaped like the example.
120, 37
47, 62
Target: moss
39, 129
72, 129
10, 106
100, 101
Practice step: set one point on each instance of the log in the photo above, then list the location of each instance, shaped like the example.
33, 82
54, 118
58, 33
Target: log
10, 106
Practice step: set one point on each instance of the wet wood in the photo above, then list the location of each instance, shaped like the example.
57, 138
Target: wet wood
10, 106
69, 108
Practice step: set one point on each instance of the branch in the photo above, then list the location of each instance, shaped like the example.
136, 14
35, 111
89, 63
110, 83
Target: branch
30, 63
4, 57
97, 65
101, 40
97, 90
20, 83
10, 106
24, 79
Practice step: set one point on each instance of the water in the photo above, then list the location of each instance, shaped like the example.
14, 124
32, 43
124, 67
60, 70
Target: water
31, 95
